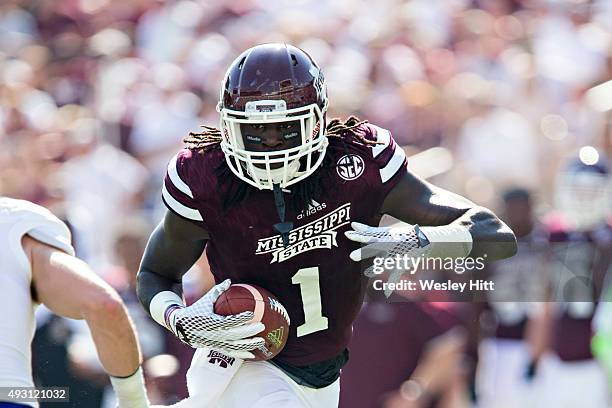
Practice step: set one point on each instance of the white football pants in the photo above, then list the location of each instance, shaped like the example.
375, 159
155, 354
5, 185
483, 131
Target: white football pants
578, 384
500, 378
218, 383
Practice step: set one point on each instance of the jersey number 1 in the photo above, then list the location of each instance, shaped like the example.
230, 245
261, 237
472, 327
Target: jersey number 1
314, 321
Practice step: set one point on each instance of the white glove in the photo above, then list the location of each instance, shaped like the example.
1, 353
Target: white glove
453, 240
199, 326
447, 241
387, 242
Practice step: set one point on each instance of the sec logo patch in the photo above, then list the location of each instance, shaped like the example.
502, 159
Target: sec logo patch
350, 167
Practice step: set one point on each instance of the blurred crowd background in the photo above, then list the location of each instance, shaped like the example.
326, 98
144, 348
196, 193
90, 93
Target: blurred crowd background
97, 95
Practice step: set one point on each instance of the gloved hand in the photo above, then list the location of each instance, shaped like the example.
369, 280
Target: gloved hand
387, 242
198, 325
530, 371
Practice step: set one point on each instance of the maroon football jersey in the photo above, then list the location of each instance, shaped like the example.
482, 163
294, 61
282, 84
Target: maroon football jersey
581, 261
313, 277
392, 338
519, 281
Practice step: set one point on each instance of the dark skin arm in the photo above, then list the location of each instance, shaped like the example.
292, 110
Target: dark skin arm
176, 244
416, 201
173, 248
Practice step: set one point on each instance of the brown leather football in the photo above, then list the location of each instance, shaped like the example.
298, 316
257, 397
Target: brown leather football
267, 309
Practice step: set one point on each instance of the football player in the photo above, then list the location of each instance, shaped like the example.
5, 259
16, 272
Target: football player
421, 364
282, 198
581, 254
506, 362
39, 267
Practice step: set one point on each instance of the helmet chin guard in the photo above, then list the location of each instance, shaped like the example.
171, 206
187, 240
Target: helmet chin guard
271, 84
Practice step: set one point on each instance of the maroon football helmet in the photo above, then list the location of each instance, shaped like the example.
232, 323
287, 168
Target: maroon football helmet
273, 83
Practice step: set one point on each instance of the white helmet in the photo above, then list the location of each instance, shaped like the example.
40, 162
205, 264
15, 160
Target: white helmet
582, 191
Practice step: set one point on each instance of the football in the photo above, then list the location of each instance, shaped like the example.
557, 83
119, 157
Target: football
267, 309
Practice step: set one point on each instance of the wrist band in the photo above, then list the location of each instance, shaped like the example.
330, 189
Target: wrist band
168, 314
453, 241
130, 390
161, 303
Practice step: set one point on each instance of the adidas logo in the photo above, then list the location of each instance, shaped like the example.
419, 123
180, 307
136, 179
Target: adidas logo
276, 336
313, 208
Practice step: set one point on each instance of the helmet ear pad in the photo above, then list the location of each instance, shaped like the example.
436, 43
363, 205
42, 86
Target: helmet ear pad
273, 83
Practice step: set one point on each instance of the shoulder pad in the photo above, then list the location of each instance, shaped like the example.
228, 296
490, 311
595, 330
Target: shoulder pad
36, 221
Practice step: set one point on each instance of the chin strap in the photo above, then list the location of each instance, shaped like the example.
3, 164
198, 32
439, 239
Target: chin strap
283, 227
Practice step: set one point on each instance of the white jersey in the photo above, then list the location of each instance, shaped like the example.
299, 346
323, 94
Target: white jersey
18, 218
